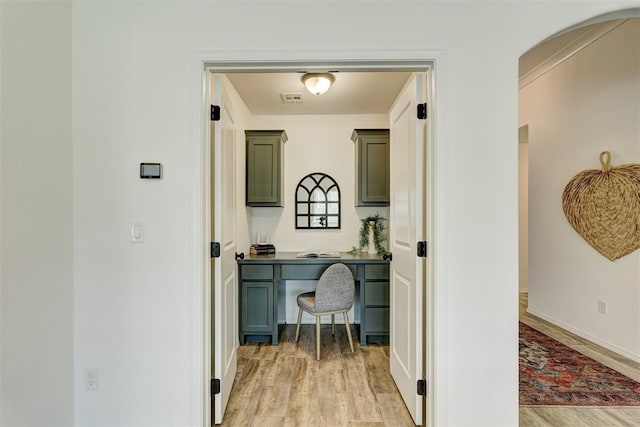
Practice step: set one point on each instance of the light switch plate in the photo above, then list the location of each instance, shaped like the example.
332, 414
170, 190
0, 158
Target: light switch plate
91, 379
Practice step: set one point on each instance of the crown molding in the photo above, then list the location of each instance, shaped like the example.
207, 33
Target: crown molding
575, 46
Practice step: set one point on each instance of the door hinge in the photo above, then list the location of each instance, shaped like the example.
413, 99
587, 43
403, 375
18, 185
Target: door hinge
422, 111
215, 250
422, 249
215, 113
215, 386
422, 387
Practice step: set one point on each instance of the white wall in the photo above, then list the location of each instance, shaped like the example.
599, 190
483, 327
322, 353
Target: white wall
588, 104
317, 143
124, 52
136, 306
36, 217
523, 207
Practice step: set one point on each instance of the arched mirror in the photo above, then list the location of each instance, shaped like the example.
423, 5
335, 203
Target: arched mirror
317, 202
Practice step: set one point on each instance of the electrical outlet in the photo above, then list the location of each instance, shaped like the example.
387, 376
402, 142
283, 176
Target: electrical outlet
91, 379
602, 307
137, 232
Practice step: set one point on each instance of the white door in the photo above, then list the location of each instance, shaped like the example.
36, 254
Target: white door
407, 144
224, 277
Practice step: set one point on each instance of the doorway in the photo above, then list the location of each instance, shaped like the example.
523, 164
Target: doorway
427, 274
566, 290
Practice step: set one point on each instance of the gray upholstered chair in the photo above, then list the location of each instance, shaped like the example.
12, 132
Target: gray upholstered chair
334, 294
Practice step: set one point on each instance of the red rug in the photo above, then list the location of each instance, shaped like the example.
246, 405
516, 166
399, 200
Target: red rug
553, 374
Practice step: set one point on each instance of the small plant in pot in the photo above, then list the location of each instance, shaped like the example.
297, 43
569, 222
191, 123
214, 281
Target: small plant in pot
372, 234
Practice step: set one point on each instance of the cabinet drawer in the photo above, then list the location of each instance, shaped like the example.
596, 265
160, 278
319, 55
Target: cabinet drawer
376, 293
302, 272
256, 272
306, 271
376, 271
376, 320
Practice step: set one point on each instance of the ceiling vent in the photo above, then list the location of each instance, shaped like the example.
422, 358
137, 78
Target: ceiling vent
291, 98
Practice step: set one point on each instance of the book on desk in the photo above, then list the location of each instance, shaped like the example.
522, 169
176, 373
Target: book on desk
318, 254
262, 249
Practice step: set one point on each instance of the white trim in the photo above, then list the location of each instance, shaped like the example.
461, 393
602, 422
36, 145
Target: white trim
629, 355
273, 60
200, 393
227, 60
436, 309
633, 12
596, 32
1, 204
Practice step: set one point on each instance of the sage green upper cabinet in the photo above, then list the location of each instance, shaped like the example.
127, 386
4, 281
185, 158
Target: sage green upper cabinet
372, 166
265, 167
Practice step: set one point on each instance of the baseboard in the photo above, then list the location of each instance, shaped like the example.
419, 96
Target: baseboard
629, 355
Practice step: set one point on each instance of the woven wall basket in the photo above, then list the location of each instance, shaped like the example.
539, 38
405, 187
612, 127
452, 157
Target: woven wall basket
603, 206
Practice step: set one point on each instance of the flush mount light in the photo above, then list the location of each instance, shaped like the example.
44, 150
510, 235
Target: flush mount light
318, 83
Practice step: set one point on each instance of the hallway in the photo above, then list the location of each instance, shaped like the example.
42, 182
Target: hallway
574, 416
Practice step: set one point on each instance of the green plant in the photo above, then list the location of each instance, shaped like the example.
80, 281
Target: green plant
379, 233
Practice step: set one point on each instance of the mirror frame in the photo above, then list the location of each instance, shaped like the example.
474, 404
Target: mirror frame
309, 185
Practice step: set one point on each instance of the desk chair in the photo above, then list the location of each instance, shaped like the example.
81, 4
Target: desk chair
333, 295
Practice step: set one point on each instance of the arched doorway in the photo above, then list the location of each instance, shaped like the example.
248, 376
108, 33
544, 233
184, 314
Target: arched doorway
579, 95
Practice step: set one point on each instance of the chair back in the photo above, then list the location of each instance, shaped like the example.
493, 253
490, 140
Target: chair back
335, 290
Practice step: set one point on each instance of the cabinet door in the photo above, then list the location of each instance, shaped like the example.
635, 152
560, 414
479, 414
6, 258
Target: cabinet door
264, 173
372, 167
257, 307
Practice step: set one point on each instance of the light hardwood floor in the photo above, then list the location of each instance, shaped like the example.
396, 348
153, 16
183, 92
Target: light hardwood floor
553, 416
285, 385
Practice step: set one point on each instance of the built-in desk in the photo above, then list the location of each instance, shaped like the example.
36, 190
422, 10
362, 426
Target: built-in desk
261, 278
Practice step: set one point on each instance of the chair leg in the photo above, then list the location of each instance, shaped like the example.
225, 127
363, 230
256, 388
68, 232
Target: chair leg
318, 337
299, 320
333, 324
346, 324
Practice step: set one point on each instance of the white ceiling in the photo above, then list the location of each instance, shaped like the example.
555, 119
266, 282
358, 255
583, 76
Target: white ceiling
351, 93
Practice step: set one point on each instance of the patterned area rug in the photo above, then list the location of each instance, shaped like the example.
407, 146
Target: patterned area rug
553, 374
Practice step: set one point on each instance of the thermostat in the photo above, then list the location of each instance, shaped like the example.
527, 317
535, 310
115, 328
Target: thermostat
150, 170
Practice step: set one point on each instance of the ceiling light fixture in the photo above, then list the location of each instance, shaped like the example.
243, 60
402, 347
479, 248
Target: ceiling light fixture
318, 83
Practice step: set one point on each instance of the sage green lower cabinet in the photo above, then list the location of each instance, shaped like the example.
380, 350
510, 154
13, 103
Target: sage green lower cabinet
265, 167
374, 294
261, 278
372, 166
258, 304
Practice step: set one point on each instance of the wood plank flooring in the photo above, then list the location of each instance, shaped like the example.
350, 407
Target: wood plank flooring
553, 416
285, 385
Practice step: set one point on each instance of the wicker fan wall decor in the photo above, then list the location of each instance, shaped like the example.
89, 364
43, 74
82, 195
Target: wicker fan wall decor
603, 206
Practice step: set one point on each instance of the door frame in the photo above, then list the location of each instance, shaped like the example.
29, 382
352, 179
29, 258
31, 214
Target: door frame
434, 308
